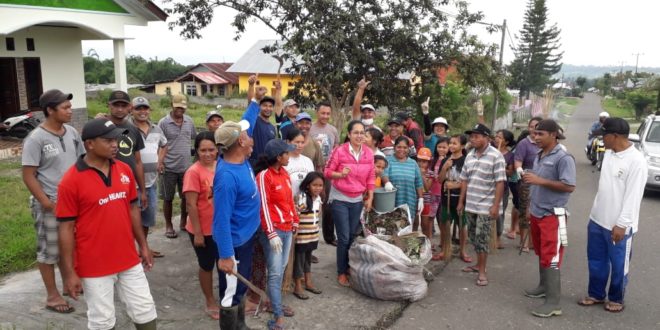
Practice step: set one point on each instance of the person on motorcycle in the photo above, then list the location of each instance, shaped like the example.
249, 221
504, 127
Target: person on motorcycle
594, 128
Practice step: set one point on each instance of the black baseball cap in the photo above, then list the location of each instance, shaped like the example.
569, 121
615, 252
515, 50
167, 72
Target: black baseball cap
267, 99
403, 115
119, 96
551, 126
481, 129
395, 120
276, 147
101, 127
53, 97
614, 125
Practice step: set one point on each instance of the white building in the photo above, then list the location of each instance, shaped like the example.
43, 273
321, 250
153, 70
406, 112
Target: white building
40, 47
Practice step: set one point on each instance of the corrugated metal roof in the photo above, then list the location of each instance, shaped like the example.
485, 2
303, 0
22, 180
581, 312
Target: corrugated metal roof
221, 70
207, 77
256, 61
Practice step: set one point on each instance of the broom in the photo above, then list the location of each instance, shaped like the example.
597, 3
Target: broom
288, 282
446, 234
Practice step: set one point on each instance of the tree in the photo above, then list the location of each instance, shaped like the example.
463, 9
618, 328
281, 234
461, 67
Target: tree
138, 69
604, 84
653, 85
537, 55
333, 44
581, 82
640, 100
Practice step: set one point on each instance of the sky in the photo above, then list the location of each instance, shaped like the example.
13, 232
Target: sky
602, 33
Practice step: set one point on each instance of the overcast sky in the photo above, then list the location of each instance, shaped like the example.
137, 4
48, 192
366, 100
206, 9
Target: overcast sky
594, 32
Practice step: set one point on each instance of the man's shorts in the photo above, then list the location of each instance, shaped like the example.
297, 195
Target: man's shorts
479, 231
46, 226
171, 183
523, 195
148, 215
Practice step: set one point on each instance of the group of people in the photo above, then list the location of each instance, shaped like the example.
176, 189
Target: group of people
257, 198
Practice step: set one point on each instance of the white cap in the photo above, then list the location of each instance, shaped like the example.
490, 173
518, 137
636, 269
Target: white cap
367, 106
440, 120
604, 114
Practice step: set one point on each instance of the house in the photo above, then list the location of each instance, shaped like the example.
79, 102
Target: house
202, 79
40, 47
255, 61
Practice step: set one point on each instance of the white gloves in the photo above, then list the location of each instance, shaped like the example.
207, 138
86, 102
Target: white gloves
276, 244
425, 106
420, 205
389, 186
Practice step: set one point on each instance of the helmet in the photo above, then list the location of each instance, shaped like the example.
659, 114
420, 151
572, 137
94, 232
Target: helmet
424, 153
604, 114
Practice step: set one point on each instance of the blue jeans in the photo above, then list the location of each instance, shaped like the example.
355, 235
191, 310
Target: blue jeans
148, 215
347, 224
276, 264
603, 256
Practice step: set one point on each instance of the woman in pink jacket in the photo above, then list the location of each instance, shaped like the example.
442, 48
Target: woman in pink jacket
351, 169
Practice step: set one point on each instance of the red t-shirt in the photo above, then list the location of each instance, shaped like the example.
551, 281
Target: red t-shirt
200, 180
100, 206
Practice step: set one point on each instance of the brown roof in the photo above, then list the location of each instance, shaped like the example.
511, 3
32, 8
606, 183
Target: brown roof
207, 77
221, 70
155, 10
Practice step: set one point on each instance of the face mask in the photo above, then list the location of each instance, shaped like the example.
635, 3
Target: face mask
368, 122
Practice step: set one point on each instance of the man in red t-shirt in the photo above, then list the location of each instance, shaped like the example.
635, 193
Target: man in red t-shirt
99, 223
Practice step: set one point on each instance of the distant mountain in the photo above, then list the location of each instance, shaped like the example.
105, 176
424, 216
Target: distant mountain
591, 71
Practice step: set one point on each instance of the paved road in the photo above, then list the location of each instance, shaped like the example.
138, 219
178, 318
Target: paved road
454, 302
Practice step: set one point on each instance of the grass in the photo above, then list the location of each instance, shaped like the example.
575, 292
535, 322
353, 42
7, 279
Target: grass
96, 5
17, 236
618, 108
566, 105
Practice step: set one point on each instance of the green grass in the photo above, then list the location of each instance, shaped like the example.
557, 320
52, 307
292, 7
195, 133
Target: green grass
96, 5
566, 105
618, 108
17, 237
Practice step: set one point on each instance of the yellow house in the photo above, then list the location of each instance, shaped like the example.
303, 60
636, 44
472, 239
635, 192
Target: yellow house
255, 61
202, 79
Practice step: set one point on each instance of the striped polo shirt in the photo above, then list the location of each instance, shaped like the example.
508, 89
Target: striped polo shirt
482, 172
179, 143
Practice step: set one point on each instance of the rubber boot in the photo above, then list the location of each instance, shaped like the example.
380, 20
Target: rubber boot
241, 316
551, 306
229, 318
151, 325
539, 291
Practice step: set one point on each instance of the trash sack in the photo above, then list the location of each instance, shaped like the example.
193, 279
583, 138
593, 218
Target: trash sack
416, 246
387, 224
381, 270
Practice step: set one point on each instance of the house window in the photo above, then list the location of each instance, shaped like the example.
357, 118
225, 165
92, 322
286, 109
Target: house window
221, 90
9, 42
191, 90
168, 91
30, 44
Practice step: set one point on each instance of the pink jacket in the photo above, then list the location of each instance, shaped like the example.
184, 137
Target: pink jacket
362, 175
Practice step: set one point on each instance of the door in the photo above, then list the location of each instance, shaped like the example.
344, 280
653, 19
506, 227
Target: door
33, 82
8, 88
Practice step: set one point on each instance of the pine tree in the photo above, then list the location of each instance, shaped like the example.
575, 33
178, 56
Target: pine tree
537, 56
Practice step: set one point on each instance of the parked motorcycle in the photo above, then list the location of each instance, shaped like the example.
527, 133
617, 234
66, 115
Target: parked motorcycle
19, 125
597, 151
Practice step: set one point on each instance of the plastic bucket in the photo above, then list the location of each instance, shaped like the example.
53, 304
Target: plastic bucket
384, 200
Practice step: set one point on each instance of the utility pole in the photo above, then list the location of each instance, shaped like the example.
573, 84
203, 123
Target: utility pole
637, 60
496, 96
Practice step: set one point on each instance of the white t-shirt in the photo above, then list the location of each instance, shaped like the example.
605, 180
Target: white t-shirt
298, 168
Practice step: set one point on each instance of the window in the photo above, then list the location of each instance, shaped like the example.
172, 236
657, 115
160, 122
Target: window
191, 90
168, 91
30, 44
9, 42
221, 90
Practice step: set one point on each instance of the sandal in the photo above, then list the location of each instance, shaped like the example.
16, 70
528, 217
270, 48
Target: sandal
286, 310
470, 269
614, 307
61, 308
482, 282
511, 235
157, 254
171, 233
438, 256
315, 260
466, 259
272, 325
343, 280
313, 290
589, 301
300, 296
213, 313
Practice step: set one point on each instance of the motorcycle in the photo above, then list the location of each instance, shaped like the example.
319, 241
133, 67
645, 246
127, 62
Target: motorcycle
19, 125
596, 152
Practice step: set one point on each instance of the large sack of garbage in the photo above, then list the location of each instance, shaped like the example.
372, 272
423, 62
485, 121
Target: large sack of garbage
390, 265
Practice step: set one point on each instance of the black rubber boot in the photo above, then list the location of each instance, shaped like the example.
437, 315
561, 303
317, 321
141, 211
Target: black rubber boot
151, 325
551, 306
539, 291
229, 318
241, 316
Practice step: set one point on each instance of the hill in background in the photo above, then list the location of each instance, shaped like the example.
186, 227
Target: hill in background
591, 71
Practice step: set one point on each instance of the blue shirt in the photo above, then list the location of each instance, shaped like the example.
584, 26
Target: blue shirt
558, 165
260, 130
236, 206
406, 178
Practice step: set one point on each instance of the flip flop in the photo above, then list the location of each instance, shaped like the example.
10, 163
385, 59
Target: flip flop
510, 235
315, 260
157, 254
614, 307
438, 256
470, 269
61, 308
482, 282
171, 234
286, 310
214, 314
589, 301
466, 259
301, 296
313, 290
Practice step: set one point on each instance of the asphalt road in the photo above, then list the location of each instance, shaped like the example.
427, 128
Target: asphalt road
455, 302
